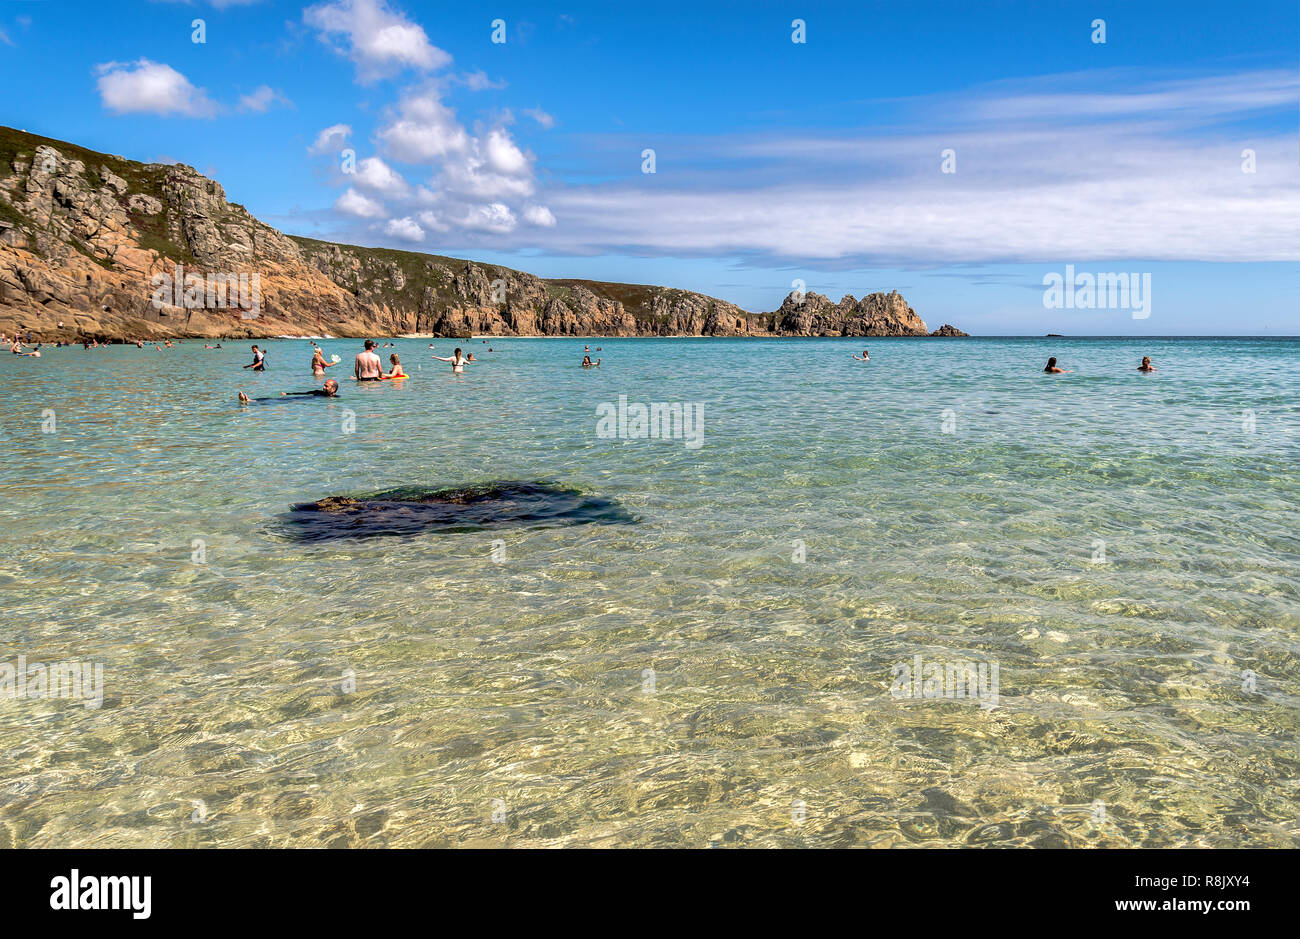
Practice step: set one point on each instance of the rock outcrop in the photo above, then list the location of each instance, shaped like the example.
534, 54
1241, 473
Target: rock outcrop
93, 245
877, 314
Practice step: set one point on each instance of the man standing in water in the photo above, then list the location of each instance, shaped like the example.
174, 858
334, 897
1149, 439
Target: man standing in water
258, 364
368, 367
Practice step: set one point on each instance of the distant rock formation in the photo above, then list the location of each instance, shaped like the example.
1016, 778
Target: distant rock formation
86, 238
876, 314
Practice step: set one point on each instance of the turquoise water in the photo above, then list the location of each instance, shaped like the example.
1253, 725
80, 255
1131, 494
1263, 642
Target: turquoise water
1125, 548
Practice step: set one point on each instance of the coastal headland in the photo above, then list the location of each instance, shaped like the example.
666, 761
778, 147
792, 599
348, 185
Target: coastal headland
96, 246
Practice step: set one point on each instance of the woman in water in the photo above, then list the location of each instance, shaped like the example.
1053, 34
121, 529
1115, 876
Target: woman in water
318, 363
1052, 369
1146, 365
456, 360
864, 357
397, 368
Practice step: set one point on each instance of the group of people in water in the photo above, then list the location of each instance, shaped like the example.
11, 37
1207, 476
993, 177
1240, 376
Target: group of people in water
1053, 369
367, 367
18, 345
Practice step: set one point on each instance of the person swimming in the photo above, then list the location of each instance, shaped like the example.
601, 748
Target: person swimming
1052, 369
864, 357
329, 390
397, 368
456, 360
587, 363
1146, 365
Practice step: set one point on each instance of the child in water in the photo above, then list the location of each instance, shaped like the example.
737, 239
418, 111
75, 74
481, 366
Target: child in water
397, 368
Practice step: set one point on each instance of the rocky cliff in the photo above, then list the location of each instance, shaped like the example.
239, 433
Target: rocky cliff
94, 245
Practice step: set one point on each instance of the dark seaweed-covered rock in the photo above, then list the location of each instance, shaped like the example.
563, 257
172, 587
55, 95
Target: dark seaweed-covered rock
412, 510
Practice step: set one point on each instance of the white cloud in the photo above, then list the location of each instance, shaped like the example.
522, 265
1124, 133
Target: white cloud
470, 179
262, 99
330, 139
541, 117
479, 81
355, 204
430, 220
501, 154
490, 168
1145, 172
377, 39
495, 218
423, 129
150, 87
477, 182
404, 229
540, 216
377, 176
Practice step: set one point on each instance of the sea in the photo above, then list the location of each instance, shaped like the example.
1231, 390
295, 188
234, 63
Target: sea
712, 593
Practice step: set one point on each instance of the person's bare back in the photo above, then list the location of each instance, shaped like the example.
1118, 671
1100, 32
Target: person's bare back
368, 367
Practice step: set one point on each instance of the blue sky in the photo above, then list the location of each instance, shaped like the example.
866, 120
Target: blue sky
775, 161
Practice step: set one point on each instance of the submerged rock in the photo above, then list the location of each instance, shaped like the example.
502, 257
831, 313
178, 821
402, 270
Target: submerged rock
411, 510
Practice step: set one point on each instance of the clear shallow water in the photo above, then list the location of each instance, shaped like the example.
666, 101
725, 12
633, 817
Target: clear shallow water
769, 718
